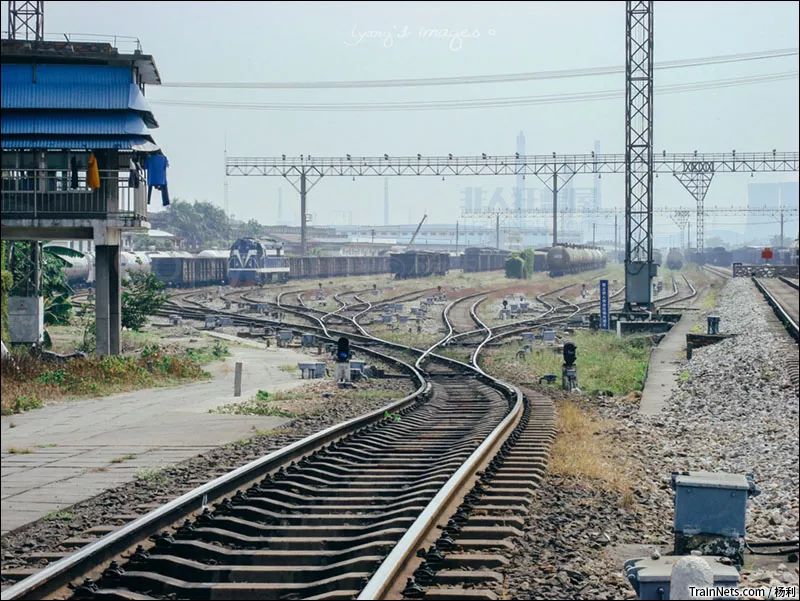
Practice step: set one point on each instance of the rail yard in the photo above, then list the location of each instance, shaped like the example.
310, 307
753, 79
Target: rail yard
584, 389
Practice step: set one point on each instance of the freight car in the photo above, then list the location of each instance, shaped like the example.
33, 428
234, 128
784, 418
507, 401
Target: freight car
329, 267
184, 270
417, 264
674, 259
564, 259
484, 259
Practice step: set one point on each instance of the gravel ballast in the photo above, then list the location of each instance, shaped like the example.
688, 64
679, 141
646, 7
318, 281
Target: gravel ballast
734, 409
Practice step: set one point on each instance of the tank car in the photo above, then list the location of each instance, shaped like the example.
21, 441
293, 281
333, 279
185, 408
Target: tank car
674, 259
567, 259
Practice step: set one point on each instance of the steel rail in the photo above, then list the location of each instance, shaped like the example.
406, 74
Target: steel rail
779, 309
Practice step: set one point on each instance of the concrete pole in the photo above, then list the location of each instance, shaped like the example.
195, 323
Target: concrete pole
101, 303
456, 237
303, 247
781, 246
616, 248
114, 301
36, 272
237, 379
555, 209
594, 233
497, 230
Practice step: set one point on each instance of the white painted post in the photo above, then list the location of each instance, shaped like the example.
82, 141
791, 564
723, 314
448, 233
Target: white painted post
237, 380
690, 572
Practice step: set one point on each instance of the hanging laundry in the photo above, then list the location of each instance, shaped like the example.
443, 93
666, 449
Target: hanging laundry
73, 167
156, 165
133, 178
92, 173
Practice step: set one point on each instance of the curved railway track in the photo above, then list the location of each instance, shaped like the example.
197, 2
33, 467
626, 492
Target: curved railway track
316, 519
407, 500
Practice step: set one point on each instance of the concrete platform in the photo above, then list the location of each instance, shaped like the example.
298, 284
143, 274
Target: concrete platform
664, 363
72, 450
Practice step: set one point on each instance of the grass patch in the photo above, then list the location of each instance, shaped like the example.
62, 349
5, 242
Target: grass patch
48, 445
605, 363
152, 475
208, 354
289, 368
684, 376
19, 403
19, 451
58, 516
582, 450
27, 381
260, 404
123, 458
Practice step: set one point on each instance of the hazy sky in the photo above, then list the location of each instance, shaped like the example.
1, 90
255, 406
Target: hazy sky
265, 41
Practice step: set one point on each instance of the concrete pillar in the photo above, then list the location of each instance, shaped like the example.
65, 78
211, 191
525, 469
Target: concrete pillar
114, 301
107, 299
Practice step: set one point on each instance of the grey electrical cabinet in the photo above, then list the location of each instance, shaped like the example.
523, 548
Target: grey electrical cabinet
711, 503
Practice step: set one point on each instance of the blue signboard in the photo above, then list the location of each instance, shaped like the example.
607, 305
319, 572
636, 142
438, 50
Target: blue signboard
604, 305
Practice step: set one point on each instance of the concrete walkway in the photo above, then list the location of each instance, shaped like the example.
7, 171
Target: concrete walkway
69, 451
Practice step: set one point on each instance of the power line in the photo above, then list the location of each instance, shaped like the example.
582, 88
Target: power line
495, 102
479, 79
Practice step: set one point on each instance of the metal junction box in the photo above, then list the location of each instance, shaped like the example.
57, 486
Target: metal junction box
711, 503
650, 578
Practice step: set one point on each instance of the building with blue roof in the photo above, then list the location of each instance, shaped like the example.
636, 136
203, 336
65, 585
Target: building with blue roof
77, 137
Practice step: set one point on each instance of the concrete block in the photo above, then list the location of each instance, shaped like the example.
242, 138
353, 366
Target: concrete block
26, 319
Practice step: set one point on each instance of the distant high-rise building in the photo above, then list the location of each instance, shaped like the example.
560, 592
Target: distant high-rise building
771, 196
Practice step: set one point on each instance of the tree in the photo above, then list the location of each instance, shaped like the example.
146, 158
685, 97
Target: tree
515, 267
7, 281
54, 287
142, 296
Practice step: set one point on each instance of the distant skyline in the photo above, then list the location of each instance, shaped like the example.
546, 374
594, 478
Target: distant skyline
306, 41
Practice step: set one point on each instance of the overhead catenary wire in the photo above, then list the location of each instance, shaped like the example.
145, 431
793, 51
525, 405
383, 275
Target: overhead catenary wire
495, 102
481, 79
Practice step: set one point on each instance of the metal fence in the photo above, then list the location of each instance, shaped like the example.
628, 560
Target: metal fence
49, 193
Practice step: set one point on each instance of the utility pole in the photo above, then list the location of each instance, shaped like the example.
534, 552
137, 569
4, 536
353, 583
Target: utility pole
616, 243
303, 244
456, 237
555, 209
594, 233
781, 246
497, 230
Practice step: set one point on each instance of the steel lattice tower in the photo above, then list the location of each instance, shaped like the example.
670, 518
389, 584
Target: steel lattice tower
26, 20
639, 268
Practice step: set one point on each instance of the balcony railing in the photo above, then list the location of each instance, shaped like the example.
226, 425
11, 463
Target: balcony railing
51, 194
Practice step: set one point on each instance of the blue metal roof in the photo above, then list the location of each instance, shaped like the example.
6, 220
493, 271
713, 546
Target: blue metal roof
99, 87
139, 143
85, 123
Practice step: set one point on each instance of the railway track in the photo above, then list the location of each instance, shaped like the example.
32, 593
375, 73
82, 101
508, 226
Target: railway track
414, 499
317, 519
782, 295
